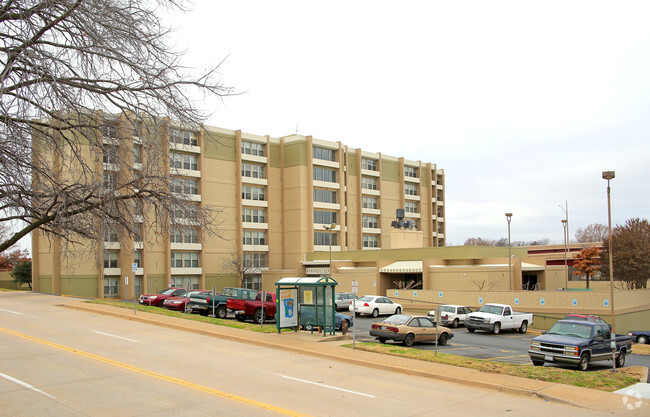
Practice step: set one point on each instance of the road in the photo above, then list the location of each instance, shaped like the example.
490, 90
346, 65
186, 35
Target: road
61, 362
509, 347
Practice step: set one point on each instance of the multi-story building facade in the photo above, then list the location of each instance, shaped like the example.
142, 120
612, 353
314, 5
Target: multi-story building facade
279, 198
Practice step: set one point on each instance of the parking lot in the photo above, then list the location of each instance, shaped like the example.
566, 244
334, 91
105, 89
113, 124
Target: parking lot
507, 347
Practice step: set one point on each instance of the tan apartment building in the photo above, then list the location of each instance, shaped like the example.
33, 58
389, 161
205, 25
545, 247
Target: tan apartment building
278, 197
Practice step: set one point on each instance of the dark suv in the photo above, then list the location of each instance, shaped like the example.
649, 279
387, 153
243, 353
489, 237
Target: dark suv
587, 317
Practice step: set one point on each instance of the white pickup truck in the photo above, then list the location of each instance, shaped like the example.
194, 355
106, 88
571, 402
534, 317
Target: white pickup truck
496, 317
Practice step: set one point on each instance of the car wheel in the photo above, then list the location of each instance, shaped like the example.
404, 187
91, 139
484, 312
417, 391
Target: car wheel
442, 340
309, 327
524, 327
538, 363
409, 339
620, 360
221, 312
257, 317
583, 365
471, 329
381, 340
398, 310
375, 313
454, 323
240, 317
203, 312
642, 339
160, 304
357, 314
496, 329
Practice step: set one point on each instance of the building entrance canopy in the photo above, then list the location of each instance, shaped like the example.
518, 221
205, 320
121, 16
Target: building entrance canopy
403, 267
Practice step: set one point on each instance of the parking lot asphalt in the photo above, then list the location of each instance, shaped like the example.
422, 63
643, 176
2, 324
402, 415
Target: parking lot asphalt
329, 347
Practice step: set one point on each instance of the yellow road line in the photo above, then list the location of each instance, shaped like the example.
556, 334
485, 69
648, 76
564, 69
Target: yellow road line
173, 380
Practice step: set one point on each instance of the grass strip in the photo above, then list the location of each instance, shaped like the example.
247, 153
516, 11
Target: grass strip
268, 328
604, 380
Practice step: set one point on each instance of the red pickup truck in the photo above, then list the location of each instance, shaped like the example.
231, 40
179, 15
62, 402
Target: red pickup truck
252, 309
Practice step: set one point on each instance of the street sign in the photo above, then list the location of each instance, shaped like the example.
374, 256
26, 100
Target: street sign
355, 287
134, 268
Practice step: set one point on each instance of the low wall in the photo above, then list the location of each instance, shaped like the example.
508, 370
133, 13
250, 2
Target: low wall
631, 308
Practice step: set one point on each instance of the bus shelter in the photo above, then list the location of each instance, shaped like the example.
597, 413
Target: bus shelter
306, 302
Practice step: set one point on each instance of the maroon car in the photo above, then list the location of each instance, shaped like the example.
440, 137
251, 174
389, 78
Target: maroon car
179, 302
157, 299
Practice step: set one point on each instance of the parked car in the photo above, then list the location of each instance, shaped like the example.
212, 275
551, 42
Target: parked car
158, 298
640, 336
339, 318
206, 303
409, 330
343, 300
578, 342
451, 315
179, 302
495, 317
375, 305
252, 309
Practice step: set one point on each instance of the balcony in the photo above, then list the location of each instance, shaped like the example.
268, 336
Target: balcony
184, 148
112, 245
370, 173
256, 181
414, 180
255, 248
252, 225
254, 158
371, 230
113, 271
326, 184
369, 191
326, 163
186, 246
185, 172
187, 271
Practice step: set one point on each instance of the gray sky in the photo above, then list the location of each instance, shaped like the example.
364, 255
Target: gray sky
523, 104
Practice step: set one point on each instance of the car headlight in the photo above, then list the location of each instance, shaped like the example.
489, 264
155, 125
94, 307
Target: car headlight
488, 320
534, 346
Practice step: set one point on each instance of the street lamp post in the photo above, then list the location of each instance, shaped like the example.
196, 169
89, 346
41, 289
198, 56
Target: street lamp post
609, 175
508, 217
565, 226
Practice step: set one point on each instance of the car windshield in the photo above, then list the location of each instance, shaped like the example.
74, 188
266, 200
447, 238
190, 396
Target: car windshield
492, 309
397, 319
571, 329
366, 298
446, 309
168, 291
229, 292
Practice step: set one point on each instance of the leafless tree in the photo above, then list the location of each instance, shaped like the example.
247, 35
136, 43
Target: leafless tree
484, 285
407, 285
593, 233
85, 83
240, 267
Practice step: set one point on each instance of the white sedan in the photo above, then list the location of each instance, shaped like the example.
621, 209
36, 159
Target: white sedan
375, 305
451, 315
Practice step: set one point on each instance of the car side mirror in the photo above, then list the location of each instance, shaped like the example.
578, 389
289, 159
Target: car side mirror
544, 332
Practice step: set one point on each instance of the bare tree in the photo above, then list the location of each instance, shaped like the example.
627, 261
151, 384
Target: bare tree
593, 233
484, 285
407, 285
241, 267
84, 84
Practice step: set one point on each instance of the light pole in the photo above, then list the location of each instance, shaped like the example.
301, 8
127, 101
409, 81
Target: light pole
565, 225
609, 175
330, 228
508, 217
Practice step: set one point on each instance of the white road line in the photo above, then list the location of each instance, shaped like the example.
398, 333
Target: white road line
25, 384
9, 311
118, 337
328, 386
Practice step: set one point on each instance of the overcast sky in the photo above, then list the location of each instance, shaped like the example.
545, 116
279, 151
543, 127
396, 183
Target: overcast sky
523, 104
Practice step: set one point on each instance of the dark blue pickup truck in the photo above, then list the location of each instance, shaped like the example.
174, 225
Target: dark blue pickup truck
578, 343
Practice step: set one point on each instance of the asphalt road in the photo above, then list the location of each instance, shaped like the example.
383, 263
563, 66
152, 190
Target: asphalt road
62, 362
509, 347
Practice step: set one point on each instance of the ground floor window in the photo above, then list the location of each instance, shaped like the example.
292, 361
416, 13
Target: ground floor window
110, 287
189, 283
138, 285
253, 282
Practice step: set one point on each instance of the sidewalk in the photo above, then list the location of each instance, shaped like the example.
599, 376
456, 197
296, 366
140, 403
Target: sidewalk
329, 347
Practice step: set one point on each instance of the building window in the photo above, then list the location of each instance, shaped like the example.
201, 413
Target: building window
189, 162
370, 222
109, 155
252, 193
190, 187
184, 260
175, 185
110, 287
411, 172
183, 137
254, 238
369, 183
369, 202
110, 235
252, 170
109, 180
252, 148
439, 196
254, 260
137, 258
253, 215
323, 238
370, 241
187, 211
410, 189
369, 164
138, 235
411, 207
325, 217
324, 196
324, 174
138, 285
110, 130
189, 283
253, 282
137, 154
110, 259
326, 154
188, 235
